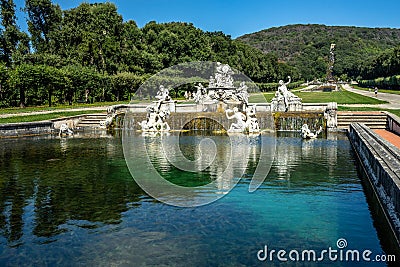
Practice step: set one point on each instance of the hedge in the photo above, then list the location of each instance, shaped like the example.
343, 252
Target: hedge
392, 83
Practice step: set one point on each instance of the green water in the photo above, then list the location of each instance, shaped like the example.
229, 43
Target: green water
73, 202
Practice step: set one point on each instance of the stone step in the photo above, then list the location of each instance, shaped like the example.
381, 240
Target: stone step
374, 120
92, 121
365, 120
89, 123
370, 126
100, 116
361, 116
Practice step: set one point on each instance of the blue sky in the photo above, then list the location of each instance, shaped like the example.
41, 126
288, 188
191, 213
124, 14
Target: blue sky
236, 17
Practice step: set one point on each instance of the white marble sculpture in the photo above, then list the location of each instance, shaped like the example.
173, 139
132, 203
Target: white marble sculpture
331, 116
111, 114
240, 125
285, 100
163, 94
223, 76
201, 94
65, 130
221, 88
158, 113
240, 94
251, 120
307, 134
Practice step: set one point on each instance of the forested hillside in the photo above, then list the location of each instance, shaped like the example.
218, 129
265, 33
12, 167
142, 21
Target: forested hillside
90, 50
307, 47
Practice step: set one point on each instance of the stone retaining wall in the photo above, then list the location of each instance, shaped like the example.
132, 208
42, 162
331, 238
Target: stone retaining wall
193, 121
393, 123
381, 162
27, 128
38, 127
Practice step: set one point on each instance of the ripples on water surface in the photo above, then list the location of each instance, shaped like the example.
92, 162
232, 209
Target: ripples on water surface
73, 202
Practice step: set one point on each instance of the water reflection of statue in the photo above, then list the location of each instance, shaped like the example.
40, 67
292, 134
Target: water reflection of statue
240, 125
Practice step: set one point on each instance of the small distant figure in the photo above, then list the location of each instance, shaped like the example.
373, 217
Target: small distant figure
376, 91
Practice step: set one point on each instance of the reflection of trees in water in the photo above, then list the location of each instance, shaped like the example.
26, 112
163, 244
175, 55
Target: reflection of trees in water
305, 156
81, 180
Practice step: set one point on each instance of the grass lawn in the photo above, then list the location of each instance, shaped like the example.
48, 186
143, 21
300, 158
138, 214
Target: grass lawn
43, 117
42, 108
396, 92
341, 97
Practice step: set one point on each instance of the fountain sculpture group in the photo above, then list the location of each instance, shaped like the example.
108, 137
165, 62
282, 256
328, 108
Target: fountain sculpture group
221, 95
220, 92
158, 113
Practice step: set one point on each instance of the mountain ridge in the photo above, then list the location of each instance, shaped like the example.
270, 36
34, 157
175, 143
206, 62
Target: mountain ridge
306, 46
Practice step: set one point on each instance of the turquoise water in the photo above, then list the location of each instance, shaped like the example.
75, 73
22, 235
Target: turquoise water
73, 202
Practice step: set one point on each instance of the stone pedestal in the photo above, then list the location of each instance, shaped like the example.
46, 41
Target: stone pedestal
294, 104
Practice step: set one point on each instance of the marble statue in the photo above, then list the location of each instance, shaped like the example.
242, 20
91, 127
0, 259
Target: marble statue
211, 83
331, 116
251, 120
240, 125
163, 94
201, 94
65, 130
307, 134
242, 93
223, 76
111, 114
221, 88
157, 113
285, 100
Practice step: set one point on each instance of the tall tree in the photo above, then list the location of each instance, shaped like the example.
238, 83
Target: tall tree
92, 34
44, 19
9, 34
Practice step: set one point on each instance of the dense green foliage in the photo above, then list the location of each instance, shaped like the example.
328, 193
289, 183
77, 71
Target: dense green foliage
386, 64
89, 53
384, 71
392, 83
307, 48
